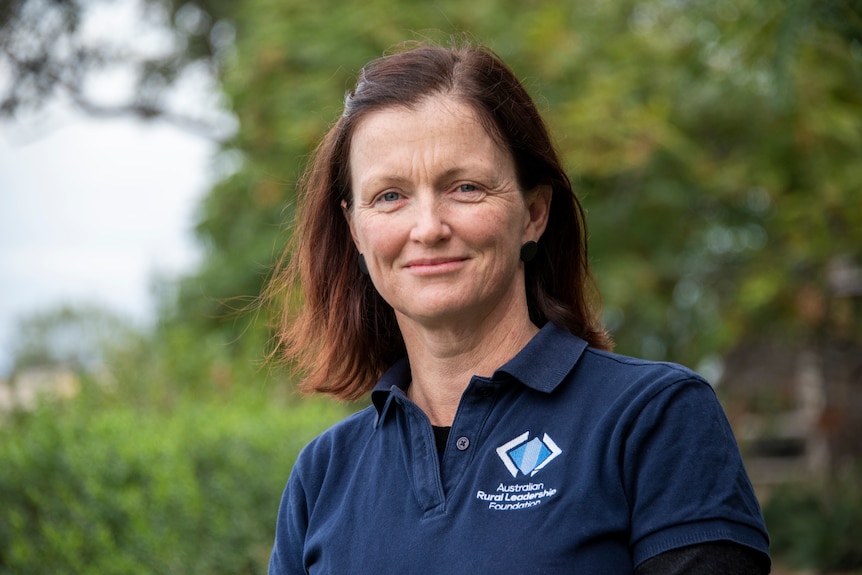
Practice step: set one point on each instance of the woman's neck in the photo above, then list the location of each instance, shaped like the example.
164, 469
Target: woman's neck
443, 360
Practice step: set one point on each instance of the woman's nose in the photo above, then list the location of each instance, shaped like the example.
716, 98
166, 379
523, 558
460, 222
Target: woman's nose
430, 225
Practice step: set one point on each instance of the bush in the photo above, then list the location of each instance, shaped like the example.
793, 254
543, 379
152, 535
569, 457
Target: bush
115, 490
818, 526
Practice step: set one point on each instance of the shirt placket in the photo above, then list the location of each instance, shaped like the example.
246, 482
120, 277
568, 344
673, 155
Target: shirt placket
466, 436
433, 480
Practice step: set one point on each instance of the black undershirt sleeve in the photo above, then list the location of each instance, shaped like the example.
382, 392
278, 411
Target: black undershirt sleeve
713, 558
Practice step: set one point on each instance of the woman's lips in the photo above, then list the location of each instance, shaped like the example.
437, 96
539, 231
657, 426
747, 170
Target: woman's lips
434, 265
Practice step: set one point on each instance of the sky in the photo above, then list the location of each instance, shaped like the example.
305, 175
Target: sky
91, 211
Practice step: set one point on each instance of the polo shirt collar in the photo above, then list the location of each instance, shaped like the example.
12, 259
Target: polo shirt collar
542, 365
395, 381
546, 360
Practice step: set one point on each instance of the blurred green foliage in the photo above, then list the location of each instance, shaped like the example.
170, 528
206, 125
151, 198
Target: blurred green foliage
95, 486
77, 337
715, 146
818, 526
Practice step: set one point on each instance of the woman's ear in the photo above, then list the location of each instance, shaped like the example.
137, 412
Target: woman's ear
349, 217
538, 207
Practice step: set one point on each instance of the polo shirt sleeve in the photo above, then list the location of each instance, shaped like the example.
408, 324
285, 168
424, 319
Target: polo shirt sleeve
684, 476
290, 530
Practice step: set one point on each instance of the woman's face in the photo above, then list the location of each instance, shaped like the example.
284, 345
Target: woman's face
438, 213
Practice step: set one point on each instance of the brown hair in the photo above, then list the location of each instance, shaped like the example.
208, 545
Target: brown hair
345, 335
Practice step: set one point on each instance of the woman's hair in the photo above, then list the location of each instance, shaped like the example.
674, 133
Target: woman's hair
344, 335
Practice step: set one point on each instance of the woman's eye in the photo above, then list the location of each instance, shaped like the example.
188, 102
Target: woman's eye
390, 196
467, 188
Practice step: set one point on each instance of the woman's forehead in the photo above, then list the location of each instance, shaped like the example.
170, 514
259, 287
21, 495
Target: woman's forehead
443, 134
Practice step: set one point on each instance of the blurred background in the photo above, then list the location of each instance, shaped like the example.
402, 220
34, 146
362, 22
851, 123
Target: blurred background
149, 151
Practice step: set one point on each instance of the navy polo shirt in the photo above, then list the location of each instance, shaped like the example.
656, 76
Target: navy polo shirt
567, 460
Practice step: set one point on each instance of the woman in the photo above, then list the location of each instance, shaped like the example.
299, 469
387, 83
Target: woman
443, 263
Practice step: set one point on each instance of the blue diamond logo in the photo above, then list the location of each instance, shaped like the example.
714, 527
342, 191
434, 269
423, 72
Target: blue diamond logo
526, 455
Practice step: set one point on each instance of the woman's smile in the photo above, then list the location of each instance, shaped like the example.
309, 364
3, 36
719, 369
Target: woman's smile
435, 265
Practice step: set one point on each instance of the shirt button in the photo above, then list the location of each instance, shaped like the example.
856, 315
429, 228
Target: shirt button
462, 444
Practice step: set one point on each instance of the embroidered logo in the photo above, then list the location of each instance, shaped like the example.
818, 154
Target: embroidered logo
527, 455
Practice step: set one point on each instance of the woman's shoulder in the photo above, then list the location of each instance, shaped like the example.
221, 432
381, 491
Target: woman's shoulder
637, 370
558, 353
350, 429
327, 448
609, 380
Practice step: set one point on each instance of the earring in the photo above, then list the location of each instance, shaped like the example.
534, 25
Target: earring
363, 267
528, 251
